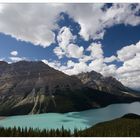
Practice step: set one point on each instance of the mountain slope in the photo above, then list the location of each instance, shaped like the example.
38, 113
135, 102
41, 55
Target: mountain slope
110, 85
34, 87
30, 85
126, 126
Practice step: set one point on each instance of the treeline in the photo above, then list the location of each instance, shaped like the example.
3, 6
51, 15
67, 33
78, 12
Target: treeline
30, 132
127, 126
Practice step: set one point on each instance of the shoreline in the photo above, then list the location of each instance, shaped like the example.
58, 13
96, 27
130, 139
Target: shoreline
2, 117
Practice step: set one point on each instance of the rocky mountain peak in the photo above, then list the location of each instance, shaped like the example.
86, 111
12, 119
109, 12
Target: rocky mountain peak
97, 81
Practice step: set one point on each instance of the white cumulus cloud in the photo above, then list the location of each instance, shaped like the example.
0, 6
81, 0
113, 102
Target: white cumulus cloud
35, 23
14, 53
110, 59
66, 44
96, 50
95, 20
74, 51
16, 59
128, 52
30, 22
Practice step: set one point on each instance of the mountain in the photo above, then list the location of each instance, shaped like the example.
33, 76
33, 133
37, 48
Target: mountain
34, 87
110, 85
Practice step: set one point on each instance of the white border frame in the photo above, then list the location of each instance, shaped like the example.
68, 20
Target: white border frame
69, 1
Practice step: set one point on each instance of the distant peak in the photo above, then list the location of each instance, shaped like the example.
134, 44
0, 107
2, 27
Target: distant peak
3, 62
90, 73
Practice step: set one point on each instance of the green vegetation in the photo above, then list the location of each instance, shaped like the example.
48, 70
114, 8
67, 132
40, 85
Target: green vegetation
18, 132
126, 126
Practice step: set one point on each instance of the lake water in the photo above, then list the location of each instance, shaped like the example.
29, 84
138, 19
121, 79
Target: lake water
71, 120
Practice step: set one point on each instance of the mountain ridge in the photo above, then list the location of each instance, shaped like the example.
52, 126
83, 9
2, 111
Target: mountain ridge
107, 84
31, 87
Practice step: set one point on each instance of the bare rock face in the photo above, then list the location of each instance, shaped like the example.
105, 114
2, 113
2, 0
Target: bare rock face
107, 84
32, 83
34, 87
25, 76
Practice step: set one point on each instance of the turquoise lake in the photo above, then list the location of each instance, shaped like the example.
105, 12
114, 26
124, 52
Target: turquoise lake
71, 120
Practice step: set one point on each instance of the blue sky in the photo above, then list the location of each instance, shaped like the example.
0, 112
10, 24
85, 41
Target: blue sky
74, 38
115, 38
